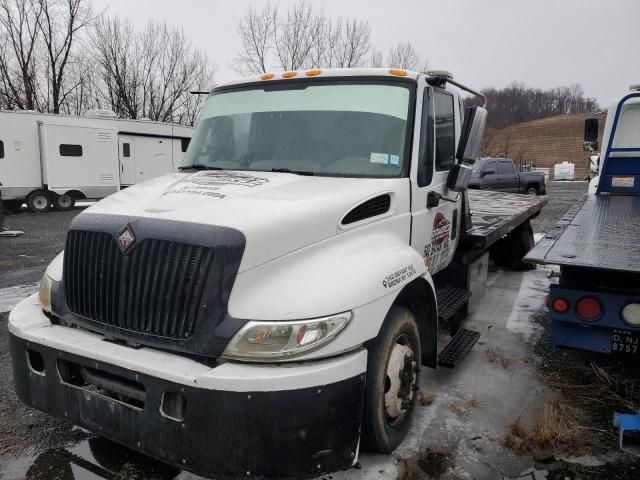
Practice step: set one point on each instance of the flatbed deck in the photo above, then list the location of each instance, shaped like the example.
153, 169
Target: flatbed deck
495, 214
600, 231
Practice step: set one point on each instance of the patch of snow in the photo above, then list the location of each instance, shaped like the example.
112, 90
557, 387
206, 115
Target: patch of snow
11, 296
537, 237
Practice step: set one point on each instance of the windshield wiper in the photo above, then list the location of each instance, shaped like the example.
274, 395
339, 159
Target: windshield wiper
199, 166
288, 170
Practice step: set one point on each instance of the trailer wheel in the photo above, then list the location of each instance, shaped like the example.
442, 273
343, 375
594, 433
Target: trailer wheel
12, 206
39, 201
392, 381
64, 202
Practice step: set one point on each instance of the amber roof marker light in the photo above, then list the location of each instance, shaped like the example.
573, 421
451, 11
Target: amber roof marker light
266, 76
289, 74
313, 72
398, 72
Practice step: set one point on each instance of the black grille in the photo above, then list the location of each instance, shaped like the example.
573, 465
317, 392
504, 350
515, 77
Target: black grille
368, 209
155, 289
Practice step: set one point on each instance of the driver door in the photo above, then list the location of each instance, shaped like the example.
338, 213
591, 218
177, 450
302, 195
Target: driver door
435, 224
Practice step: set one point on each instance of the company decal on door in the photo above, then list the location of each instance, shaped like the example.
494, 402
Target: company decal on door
437, 251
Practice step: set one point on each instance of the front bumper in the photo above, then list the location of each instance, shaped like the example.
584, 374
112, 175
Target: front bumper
226, 429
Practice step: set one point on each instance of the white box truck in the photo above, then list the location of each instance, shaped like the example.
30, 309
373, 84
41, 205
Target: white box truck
266, 311
53, 160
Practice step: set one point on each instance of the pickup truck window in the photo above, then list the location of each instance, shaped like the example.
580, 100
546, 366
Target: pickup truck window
490, 167
425, 167
506, 168
338, 128
445, 130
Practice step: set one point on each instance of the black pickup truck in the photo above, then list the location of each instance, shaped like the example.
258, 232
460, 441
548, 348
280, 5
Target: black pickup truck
500, 174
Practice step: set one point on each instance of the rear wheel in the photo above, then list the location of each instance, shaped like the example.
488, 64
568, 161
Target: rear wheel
39, 201
392, 381
64, 202
533, 191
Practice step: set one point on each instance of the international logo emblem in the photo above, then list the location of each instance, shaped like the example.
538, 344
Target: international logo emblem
126, 239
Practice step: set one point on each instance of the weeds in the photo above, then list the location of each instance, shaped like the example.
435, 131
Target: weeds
426, 398
496, 357
557, 429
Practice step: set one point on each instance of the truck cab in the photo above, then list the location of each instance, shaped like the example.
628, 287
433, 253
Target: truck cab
266, 310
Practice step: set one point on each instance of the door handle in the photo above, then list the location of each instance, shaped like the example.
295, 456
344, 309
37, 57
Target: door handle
433, 199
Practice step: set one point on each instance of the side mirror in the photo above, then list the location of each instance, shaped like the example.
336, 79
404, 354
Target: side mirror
475, 120
459, 177
590, 134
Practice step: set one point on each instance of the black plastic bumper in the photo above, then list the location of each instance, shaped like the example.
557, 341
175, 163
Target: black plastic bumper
295, 433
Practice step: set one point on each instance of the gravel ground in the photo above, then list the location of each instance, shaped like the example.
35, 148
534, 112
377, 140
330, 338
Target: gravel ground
24, 259
26, 433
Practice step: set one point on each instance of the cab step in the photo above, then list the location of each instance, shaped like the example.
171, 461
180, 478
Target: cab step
458, 348
450, 300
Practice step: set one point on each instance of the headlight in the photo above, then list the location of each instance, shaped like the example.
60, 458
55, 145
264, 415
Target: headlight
631, 314
277, 341
45, 292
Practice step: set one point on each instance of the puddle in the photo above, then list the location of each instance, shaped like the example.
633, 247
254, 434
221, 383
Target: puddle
10, 296
95, 458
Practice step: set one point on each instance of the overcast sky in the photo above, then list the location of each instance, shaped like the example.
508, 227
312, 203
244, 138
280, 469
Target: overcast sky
544, 43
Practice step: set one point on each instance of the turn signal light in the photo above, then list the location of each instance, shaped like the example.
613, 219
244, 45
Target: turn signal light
560, 305
589, 309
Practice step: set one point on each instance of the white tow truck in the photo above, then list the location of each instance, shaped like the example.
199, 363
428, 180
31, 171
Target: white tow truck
266, 310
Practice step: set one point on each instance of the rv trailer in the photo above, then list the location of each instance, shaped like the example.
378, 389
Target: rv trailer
49, 160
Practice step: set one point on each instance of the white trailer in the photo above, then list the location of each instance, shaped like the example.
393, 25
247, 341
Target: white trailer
53, 160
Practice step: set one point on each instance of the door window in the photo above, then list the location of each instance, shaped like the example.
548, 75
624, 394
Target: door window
1, 149
445, 130
126, 150
491, 169
425, 166
505, 168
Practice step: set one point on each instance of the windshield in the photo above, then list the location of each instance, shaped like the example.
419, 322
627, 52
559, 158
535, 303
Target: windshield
337, 128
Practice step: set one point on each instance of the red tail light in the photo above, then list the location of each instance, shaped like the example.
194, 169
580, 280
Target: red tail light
589, 309
560, 305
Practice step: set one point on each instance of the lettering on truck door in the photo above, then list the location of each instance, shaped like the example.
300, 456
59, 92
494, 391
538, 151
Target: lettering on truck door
435, 229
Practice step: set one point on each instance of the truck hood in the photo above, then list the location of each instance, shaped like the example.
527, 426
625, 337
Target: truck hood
278, 213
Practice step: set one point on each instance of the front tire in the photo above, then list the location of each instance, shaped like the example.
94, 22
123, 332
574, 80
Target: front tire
39, 201
392, 381
64, 202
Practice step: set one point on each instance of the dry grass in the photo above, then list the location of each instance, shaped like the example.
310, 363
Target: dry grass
557, 429
496, 357
457, 409
472, 402
426, 398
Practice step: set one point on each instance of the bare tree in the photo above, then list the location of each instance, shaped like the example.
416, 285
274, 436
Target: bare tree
295, 35
18, 43
150, 74
256, 30
376, 59
348, 43
60, 23
403, 55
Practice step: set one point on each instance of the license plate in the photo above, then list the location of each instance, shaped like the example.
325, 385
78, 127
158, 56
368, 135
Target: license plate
623, 342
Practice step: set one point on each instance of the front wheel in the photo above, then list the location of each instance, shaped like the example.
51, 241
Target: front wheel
392, 381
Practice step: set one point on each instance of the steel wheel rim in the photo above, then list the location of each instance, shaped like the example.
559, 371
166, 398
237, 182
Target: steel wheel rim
40, 202
400, 381
64, 201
